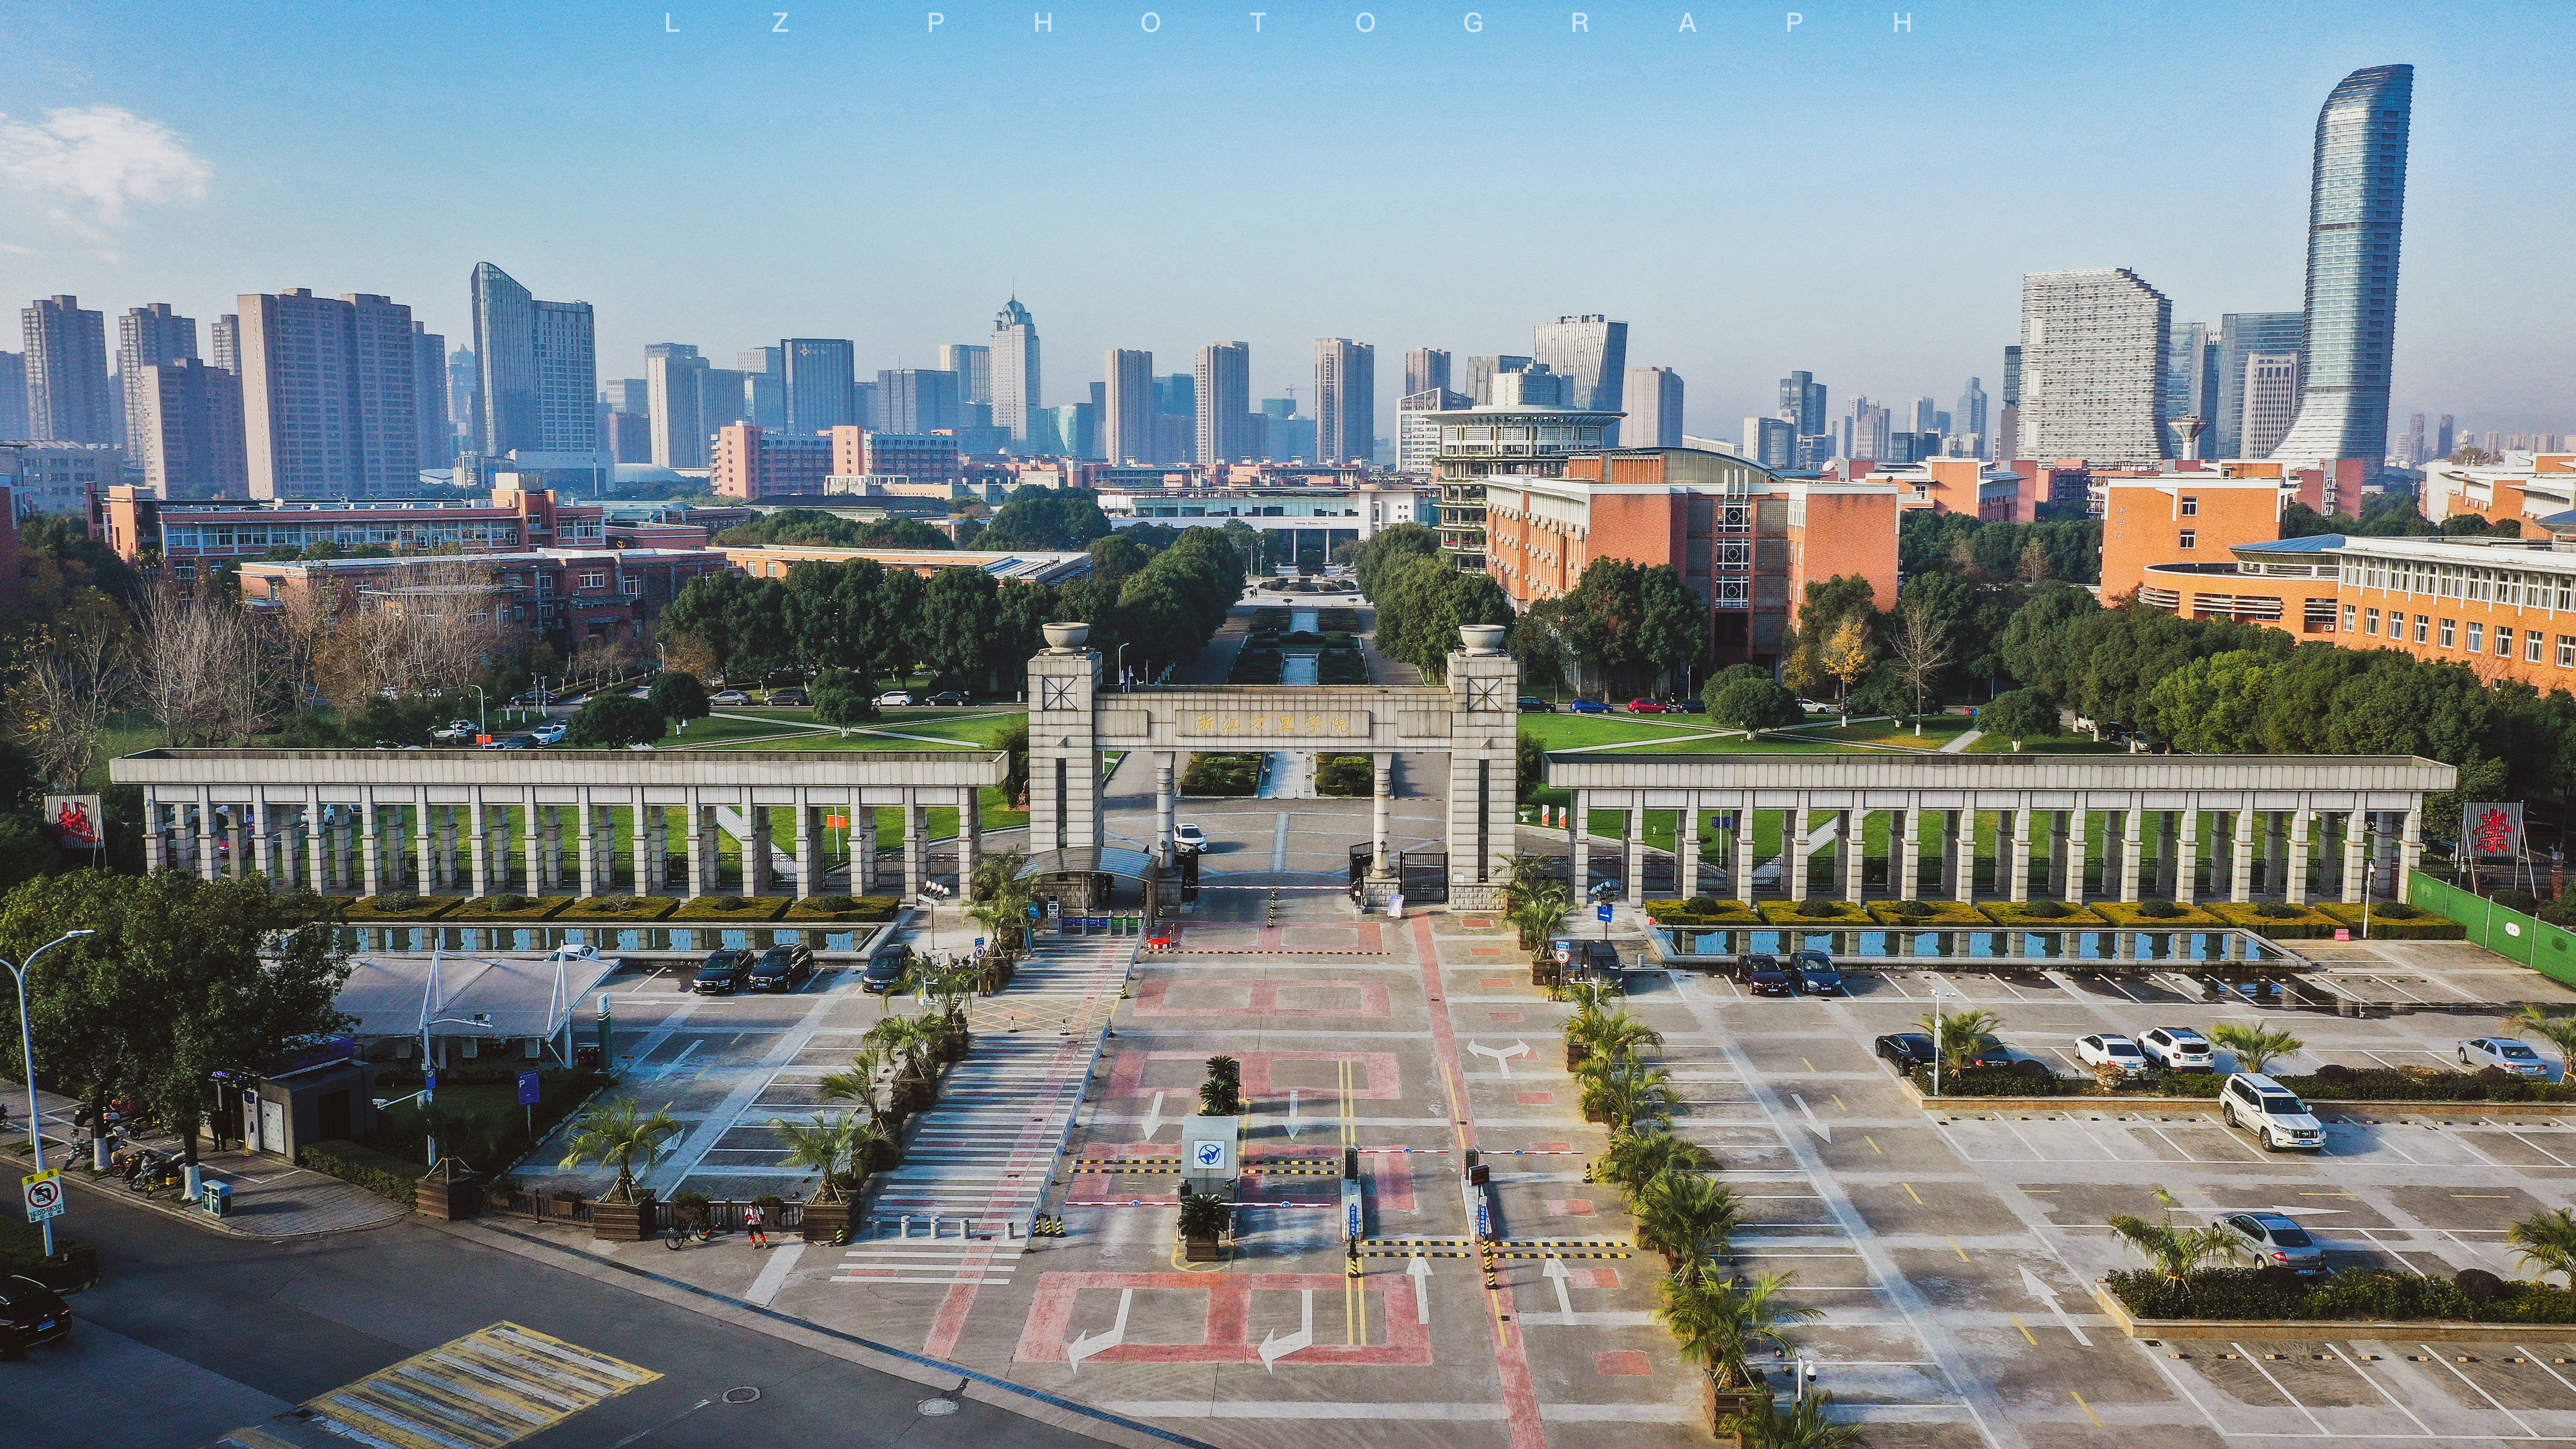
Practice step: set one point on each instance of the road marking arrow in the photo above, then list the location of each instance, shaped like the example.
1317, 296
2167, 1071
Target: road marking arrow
1557, 1274
1154, 1118
1275, 1348
1501, 1055
1088, 1344
1419, 1270
1820, 1128
2032, 1285
1293, 1123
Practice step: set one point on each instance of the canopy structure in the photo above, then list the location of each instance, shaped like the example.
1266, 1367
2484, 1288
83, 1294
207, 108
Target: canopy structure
1090, 860
441, 997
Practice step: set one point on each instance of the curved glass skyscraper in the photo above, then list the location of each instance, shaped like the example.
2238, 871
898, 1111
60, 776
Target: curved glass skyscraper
2356, 204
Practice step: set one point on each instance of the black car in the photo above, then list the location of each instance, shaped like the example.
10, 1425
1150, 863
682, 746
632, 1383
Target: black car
1763, 976
1690, 706
788, 697
30, 1314
723, 973
780, 968
952, 699
1532, 704
1906, 1050
885, 969
1814, 974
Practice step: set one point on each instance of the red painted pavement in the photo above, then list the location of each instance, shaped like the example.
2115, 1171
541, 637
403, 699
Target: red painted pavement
1260, 998
1228, 1335
1127, 1073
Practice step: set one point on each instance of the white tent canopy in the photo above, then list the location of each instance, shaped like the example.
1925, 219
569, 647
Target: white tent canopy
500, 998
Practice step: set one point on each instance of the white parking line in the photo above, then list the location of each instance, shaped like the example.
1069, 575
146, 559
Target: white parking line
2536, 1147
2528, 1432
2256, 1364
2379, 1388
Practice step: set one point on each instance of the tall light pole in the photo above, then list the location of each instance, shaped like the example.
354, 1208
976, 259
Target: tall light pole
27, 1058
1937, 994
482, 713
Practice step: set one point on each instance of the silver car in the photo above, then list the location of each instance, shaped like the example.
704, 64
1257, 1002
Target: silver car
2479, 1053
2280, 1241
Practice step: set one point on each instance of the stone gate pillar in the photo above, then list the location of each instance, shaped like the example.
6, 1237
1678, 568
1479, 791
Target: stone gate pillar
1484, 695
1064, 753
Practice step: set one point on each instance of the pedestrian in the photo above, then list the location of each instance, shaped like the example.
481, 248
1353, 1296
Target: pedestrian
756, 1223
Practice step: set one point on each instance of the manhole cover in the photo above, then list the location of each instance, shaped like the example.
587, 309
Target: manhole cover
935, 1407
744, 1395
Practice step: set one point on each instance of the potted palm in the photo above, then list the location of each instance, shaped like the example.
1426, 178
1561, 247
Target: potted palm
826, 1145
615, 1133
1637, 1158
1719, 1325
1221, 1095
1205, 1218
1579, 1030
1689, 1217
2179, 1252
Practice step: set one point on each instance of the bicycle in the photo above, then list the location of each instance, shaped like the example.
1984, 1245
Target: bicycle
680, 1235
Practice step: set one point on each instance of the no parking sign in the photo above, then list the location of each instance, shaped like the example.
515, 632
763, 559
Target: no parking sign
44, 1194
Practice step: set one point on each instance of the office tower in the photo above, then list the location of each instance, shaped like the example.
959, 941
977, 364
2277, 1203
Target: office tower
1014, 361
67, 394
1480, 375
465, 400
973, 365
1345, 400
1771, 442
1923, 416
916, 400
1417, 427
1127, 407
673, 385
2492, 444
668, 349
1224, 388
1969, 415
2441, 439
539, 373
757, 360
2008, 421
1654, 396
147, 337
223, 343
628, 437
2191, 390
1425, 368
329, 409
764, 388
2413, 453
2092, 366
188, 430
1867, 432
821, 373
1534, 386
13, 395
1591, 353
627, 395
2271, 401
1802, 404
2356, 205
429, 396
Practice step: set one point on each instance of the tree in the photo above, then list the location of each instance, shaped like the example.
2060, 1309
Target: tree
1529, 763
843, 697
1115, 556
1062, 520
200, 674
2178, 1252
2556, 1027
2255, 1047
1719, 1326
614, 721
1919, 651
615, 1133
2215, 705
1762, 1425
1689, 1217
1960, 1035
826, 1144
1847, 654
1636, 1158
954, 633
741, 621
2018, 715
2548, 1241
60, 709
1672, 624
1754, 704
679, 697
1388, 552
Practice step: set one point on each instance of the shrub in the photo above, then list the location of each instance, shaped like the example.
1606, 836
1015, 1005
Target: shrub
1346, 775
2523, 901
510, 903
2159, 910
398, 901
2396, 910
2048, 910
835, 903
1818, 909
2334, 1074
378, 1172
1989, 1082
2480, 1286
2278, 911
1701, 906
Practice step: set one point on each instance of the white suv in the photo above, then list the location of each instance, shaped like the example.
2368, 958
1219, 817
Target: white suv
2276, 1117
2177, 1049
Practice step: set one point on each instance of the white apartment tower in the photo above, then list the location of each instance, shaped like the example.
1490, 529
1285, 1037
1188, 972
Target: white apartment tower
2093, 366
1014, 363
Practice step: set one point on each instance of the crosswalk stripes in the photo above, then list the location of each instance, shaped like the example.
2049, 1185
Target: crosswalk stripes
482, 1391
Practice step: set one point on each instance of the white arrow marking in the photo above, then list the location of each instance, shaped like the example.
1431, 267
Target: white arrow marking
2032, 1285
1556, 1273
1501, 1055
1293, 1123
1419, 1270
1275, 1348
1086, 1345
1821, 1129
1154, 1118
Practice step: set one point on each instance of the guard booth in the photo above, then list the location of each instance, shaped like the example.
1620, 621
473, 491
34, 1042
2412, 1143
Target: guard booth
321, 1094
1089, 880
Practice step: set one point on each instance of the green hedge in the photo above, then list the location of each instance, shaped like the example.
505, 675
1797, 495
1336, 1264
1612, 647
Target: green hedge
2387, 1084
2351, 1294
22, 1251
400, 906
1937, 914
1841, 913
2422, 926
377, 1172
1702, 911
2129, 914
2028, 913
1989, 1082
492, 908
746, 909
1222, 775
619, 908
1346, 775
830, 908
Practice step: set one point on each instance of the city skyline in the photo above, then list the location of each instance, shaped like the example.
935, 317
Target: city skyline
2475, 338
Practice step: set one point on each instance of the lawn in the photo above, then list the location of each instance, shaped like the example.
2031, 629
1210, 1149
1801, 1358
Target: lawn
1936, 733
2060, 745
1567, 731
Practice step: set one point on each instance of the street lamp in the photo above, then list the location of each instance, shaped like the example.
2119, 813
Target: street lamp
429, 1092
482, 714
1937, 994
27, 1059
1122, 666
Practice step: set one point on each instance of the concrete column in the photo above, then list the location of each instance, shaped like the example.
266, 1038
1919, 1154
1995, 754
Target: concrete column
2355, 840
1743, 882
914, 831
424, 846
2411, 854
970, 836
1381, 824
481, 876
1961, 867
2132, 843
238, 831
156, 845
1855, 849
1632, 851
809, 853
863, 849
755, 852
654, 824
1909, 860
2242, 876
700, 848
1793, 850
1163, 849
2024, 822
2187, 854
2276, 852
1580, 867
371, 848
598, 850
2301, 821
2079, 853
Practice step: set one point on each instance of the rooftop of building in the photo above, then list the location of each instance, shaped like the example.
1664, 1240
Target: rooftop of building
484, 560
1006, 564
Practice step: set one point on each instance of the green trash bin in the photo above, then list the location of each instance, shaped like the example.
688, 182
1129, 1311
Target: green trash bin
219, 1199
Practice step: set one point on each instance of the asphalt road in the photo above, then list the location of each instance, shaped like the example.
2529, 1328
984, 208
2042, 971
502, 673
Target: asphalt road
195, 1334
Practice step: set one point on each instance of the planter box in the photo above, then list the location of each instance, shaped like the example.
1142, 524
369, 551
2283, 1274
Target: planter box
1949, 914
2322, 1330
1785, 913
2017, 914
2423, 927
373, 908
825, 1221
623, 1222
1723, 1404
741, 910
2124, 914
2322, 1106
481, 908
619, 908
448, 1201
2307, 925
1728, 913
1200, 1250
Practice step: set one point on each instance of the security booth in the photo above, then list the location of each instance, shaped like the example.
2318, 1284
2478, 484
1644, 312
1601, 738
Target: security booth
320, 1093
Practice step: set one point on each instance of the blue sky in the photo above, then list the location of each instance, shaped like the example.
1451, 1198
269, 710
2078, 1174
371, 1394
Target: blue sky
1841, 196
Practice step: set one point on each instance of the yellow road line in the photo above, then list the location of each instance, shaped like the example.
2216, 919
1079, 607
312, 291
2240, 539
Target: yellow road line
2024, 1327
1811, 1066
1838, 1102
1955, 1248
1910, 1192
2087, 1408
1873, 1144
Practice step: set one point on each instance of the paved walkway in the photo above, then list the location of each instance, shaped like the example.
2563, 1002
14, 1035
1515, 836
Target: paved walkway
1960, 745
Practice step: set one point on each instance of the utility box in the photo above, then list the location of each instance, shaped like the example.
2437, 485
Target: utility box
1210, 1156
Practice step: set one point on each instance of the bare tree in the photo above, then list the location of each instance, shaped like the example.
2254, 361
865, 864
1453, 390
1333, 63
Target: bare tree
59, 711
198, 679
432, 624
1920, 651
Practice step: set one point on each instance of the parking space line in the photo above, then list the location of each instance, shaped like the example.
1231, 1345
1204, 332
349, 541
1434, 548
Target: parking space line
2536, 1147
2378, 1388
2542, 1364
2528, 1432
2025, 1329
2087, 1408
1910, 1192
1955, 1248
2169, 1142
2255, 1363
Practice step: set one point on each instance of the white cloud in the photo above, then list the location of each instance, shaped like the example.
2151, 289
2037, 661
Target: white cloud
94, 162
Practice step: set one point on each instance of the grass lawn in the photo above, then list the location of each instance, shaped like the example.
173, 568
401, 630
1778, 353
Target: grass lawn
1936, 733
1566, 731
2061, 745
964, 730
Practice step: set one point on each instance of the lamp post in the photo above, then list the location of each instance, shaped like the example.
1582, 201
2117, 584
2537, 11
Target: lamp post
1122, 666
27, 1058
482, 711
429, 1069
1937, 994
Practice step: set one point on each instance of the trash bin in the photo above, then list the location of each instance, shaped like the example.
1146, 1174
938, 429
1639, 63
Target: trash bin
219, 1199
586, 1058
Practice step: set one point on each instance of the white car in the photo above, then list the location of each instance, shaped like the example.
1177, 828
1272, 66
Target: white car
894, 699
2111, 1050
2481, 1052
1188, 839
730, 696
456, 729
2177, 1049
2272, 1112
551, 734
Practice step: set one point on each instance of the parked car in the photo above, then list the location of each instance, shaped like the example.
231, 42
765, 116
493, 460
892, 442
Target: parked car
456, 730
1642, 705
30, 1314
788, 698
536, 699
952, 699
1814, 973
1692, 705
2110, 1049
782, 968
2177, 1049
2503, 1052
520, 741
1188, 839
723, 973
1764, 976
894, 699
551, 734
2272, 1112
2278, 1238
1906, 1050
1532, 704
1587, 706
885, 969
729, 697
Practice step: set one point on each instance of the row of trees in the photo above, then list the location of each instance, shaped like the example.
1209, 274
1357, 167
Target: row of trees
1422, 598
1621, 629
1982, 552
814, 526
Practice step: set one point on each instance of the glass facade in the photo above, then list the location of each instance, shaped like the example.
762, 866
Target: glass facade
2356, 204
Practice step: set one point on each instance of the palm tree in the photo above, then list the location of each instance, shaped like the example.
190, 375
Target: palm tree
1624, 1092
858, 1084
1719, 1325
2557, 1028
2548, 1240
1959, 1033
1761, 1425
1523, 872
1636, 1158
1620, 1035
2256, 1047
1537, 910
1689, 1217
2179, 1252
903, 1037
822, 1144
616, 1133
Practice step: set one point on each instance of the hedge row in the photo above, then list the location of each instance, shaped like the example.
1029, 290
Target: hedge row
377, 1172
22, 1252
2351, 1294
1990, 1082
2419, 925
732, 908
620, 908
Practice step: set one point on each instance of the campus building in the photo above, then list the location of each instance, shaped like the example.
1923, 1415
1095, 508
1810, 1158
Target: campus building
753, 462
1300, 523
1010, 566
572, 596
182, 536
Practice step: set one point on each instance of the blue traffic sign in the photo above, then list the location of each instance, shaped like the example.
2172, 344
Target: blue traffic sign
528, 1089
1602, 911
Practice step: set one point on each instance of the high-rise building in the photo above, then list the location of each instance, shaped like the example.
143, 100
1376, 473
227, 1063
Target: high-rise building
973, 364
1417, 427
465, 400
2271, 401
2092, 366
429, 396
13, 395
821, 375
1802, 404
223, 343
147, 337
1479, 383
1771, 442
1072, 430
674, 385
2243, 335
1127, 408
68, 400
540, 369
627, 395
1534, 386
1867, 432
1345, 400
1923, 416
1425, 368
1654, 398
2356, 209
1015, 369
2411, 454
764, 384
1223, 383
916, 400
1591, 353
1969, 416
329, 409
189, 430
2442, 447
2008, 422
628, 437
748, 462
2192, 353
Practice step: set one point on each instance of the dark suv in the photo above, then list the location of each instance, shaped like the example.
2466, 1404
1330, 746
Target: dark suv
885, 969
723, 974
30, 1314
780, 968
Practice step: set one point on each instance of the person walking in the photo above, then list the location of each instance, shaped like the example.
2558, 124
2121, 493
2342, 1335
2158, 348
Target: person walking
756, 1223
